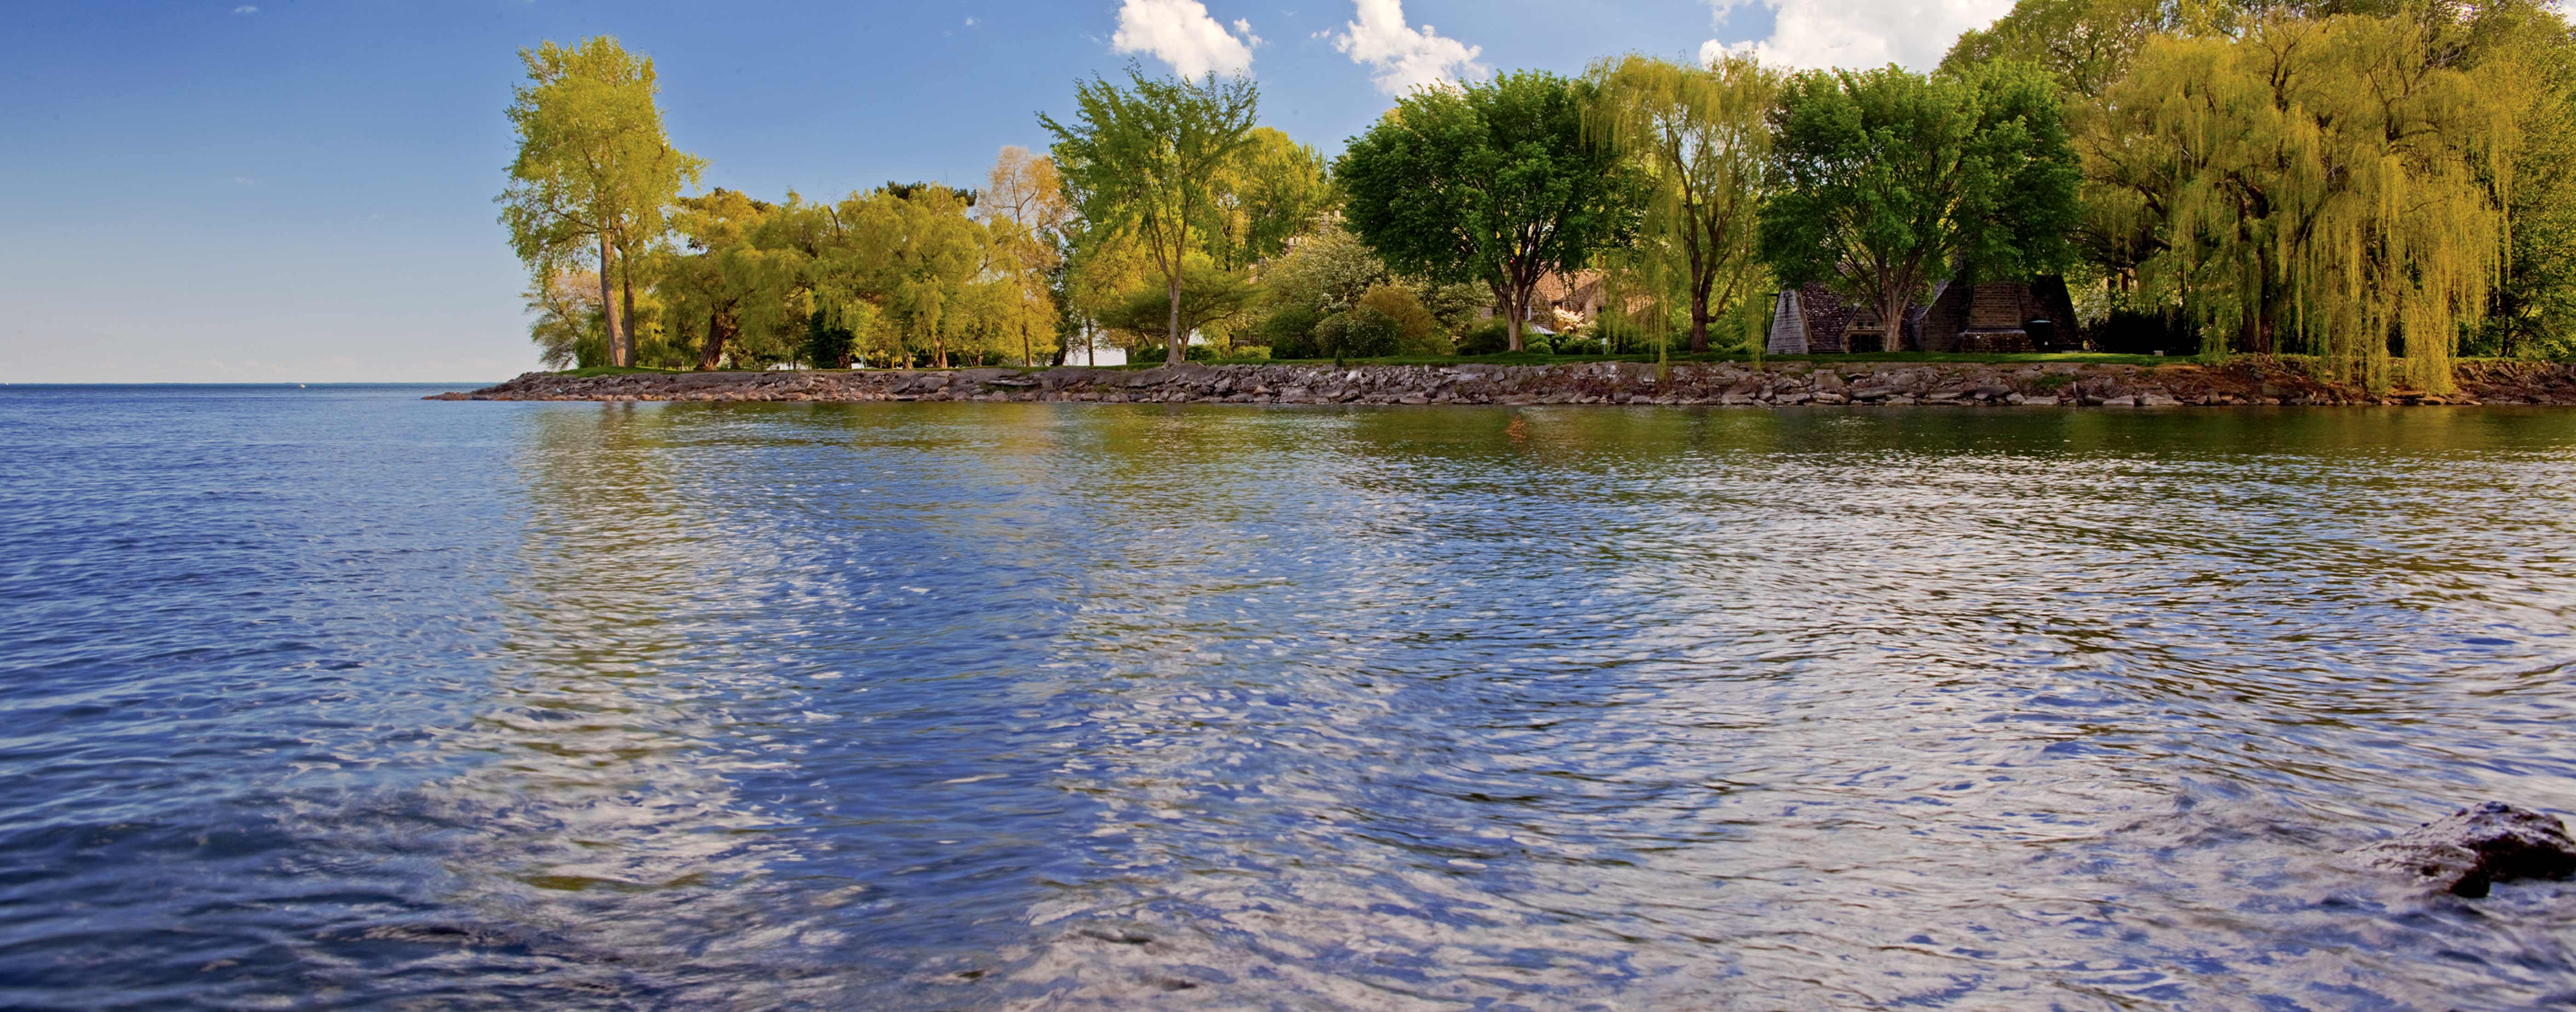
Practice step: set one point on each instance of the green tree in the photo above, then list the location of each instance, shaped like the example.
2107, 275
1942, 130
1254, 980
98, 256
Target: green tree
1326, 274
1702, 137
913, 252
1144, 162
722, 266
2534, 309
1024, 211
829, 344
2327, 185
2086, 45
1494, 183
568, 329
1888, 181
1274, 191
594, 170
1212, 297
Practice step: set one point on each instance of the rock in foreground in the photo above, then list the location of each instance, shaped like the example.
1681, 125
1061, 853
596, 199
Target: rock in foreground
2469, 850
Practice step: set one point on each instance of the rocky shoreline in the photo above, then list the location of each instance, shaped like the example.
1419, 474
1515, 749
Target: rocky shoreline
1777, 384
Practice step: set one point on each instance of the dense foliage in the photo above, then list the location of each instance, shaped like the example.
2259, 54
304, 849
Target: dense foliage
2379, 184
1145, 163
595, 173
1496, 183
1889, 182
1699, 134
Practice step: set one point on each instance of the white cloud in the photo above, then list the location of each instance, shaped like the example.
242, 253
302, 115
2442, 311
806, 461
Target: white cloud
245, 9
1180, 33
1859, 33
1404, 58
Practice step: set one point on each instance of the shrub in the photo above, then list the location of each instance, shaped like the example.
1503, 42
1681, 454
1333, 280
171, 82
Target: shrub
1328, 335
1416, 331
1492, 337
1536, 344
1152, 354
1303, 346
1363, 332
1291, 332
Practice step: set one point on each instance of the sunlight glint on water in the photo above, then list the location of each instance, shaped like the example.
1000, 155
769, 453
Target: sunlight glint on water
334, 695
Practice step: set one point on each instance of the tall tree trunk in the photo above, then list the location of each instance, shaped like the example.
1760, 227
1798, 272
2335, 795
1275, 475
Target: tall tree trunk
1892, 323
1179, 351
720, 328
626, 285
1511, 315
1702, 279
608, 301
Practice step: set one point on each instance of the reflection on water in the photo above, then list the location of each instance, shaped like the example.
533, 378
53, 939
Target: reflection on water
354, 699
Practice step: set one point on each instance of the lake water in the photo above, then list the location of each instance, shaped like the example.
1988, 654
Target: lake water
323, 697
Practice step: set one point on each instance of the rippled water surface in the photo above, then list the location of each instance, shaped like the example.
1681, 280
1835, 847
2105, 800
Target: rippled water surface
335, 697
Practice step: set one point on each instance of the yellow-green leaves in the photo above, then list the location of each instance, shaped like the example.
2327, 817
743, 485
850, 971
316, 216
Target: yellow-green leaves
594, 173
1700, 135
2334, 186
1143, 163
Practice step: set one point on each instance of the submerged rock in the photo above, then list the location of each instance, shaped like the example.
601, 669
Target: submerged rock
2469, 850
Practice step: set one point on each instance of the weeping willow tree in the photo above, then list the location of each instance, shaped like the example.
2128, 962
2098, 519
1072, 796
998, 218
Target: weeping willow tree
2534, 310
1700, 136
2333, 186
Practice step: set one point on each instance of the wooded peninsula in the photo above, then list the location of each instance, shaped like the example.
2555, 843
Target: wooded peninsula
2364, 194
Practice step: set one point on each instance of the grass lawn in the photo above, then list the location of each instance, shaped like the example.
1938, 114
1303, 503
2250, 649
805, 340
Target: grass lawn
615, 370
1525, 358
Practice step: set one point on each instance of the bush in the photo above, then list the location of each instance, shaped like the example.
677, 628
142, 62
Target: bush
1152, 354
827, 346
1291, 333
1248, 353
1328, 335
1362, 332
1536, 344
1417, 332
1492, 337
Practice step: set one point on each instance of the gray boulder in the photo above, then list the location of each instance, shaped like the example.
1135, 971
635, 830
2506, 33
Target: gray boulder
2469, 850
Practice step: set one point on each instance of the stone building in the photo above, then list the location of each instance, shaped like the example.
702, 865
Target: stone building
1561, 302
2033, 315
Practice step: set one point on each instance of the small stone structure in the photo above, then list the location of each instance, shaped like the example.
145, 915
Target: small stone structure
1991, 317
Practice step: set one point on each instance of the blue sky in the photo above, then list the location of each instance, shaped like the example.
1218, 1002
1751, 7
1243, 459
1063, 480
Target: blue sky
288, 190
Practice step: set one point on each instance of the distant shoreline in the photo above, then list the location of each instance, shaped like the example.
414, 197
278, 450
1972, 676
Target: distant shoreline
221, 384
2241, 383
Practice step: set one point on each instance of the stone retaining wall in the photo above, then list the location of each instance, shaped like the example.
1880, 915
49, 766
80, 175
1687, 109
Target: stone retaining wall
1778, 384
